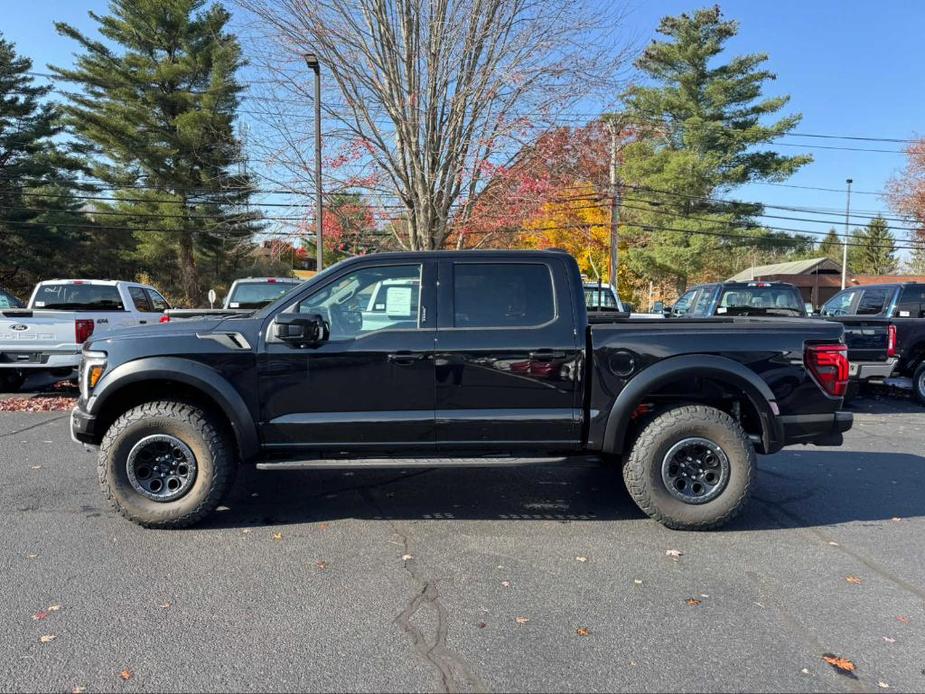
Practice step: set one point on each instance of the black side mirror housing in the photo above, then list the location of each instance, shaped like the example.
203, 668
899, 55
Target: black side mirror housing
301, 329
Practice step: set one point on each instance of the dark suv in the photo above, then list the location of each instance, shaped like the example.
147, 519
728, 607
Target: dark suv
741, 299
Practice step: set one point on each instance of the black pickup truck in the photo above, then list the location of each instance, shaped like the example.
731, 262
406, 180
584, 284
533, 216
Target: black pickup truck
454, 358
884, 332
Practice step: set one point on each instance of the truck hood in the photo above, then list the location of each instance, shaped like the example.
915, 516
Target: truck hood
173, 329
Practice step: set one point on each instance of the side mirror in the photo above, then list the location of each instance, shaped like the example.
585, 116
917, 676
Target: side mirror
301, 329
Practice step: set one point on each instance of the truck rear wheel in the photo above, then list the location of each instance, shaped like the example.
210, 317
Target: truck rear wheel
918, 382
165, 464
691, 468
11, 380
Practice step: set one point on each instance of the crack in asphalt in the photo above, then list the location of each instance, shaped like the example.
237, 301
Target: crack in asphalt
35, 426
455, 674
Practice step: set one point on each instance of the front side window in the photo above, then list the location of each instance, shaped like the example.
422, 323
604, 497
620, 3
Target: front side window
139, 299
683, 305
9, 301
157, 301
702, 307
873, 301
840, 304
369, 300
502, 295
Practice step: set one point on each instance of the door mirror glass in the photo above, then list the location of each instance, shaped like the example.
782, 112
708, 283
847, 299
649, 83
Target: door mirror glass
301, 329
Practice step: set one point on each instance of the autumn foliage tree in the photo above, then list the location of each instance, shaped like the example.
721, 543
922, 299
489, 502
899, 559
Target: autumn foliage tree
906, 195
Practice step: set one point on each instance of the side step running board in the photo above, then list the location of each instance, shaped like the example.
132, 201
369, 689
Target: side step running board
335, 463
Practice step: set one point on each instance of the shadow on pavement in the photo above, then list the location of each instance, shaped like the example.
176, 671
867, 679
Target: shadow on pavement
804, 488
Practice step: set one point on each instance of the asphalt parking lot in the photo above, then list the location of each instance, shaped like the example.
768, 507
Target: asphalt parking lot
514, 579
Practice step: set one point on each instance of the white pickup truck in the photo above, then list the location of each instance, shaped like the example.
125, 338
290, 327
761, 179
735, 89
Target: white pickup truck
46, 335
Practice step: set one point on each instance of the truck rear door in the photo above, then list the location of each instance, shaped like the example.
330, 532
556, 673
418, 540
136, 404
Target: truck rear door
508, 355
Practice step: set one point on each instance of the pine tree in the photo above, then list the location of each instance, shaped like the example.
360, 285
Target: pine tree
831, 246
699, 123
40, 221
156, 106
875, 249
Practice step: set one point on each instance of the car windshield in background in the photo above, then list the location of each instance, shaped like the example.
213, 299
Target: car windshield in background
78, 297
602, 298
9, 301
258, 294
759, 301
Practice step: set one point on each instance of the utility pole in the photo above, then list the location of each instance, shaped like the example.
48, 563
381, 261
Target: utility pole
844, 248
614, 209
312, 61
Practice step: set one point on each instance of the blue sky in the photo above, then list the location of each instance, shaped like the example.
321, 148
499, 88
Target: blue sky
851, 68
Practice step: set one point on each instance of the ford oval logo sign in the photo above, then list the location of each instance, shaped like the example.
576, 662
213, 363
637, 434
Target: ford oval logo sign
19, 326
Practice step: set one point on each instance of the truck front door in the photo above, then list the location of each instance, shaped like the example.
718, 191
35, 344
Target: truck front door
508, 357
369, 385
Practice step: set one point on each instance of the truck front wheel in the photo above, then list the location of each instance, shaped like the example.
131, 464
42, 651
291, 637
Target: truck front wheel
691, 468
165, 464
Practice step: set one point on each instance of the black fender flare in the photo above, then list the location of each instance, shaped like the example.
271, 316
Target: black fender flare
707, 365
195, 374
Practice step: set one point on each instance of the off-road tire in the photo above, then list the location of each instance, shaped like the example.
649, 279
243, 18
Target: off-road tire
215, 462
642, 472
918, 382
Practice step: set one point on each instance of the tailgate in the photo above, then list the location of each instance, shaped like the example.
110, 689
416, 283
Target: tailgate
25, 331
866, 338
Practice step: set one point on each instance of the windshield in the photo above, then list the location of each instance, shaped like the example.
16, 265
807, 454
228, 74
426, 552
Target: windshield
760, 301
602, 298
9, 301
258, 294
78, 297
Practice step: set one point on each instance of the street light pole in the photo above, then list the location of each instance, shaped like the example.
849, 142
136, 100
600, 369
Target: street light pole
844, 248
312, 61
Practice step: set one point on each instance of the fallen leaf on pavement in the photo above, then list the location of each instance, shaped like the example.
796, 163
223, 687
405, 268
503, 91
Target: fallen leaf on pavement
904, 620
322, 526
78, 690
31, 556
166, 605
482, 625
36, 467
854, 580
883, 685
37, 404
842, 665
54, 608
674, 553
506, 584
40, 615
126, 675
889, 640
321, 565
581, 559
278, 536
582, 631
47, 638
637, 581
693, 602
521, 620
805, 671
406, 557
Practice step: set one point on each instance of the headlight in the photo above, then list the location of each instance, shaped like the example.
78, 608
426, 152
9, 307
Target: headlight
92, 366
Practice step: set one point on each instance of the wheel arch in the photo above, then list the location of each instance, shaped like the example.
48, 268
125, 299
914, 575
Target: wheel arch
758, 396
154, 378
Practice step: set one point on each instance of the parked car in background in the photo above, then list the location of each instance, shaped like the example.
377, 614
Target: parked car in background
7, 300
244, 296
885, 333
741, 299
46, 335
477, 358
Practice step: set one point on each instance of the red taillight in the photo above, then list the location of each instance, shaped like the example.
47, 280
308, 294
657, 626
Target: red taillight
165, 318
829, 366
83, 328
271, 281
891, 341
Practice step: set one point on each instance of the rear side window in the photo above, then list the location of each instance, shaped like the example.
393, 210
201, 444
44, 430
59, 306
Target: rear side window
139, 299
78, 297
873, 301
911, 303
157, 301
501, 295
